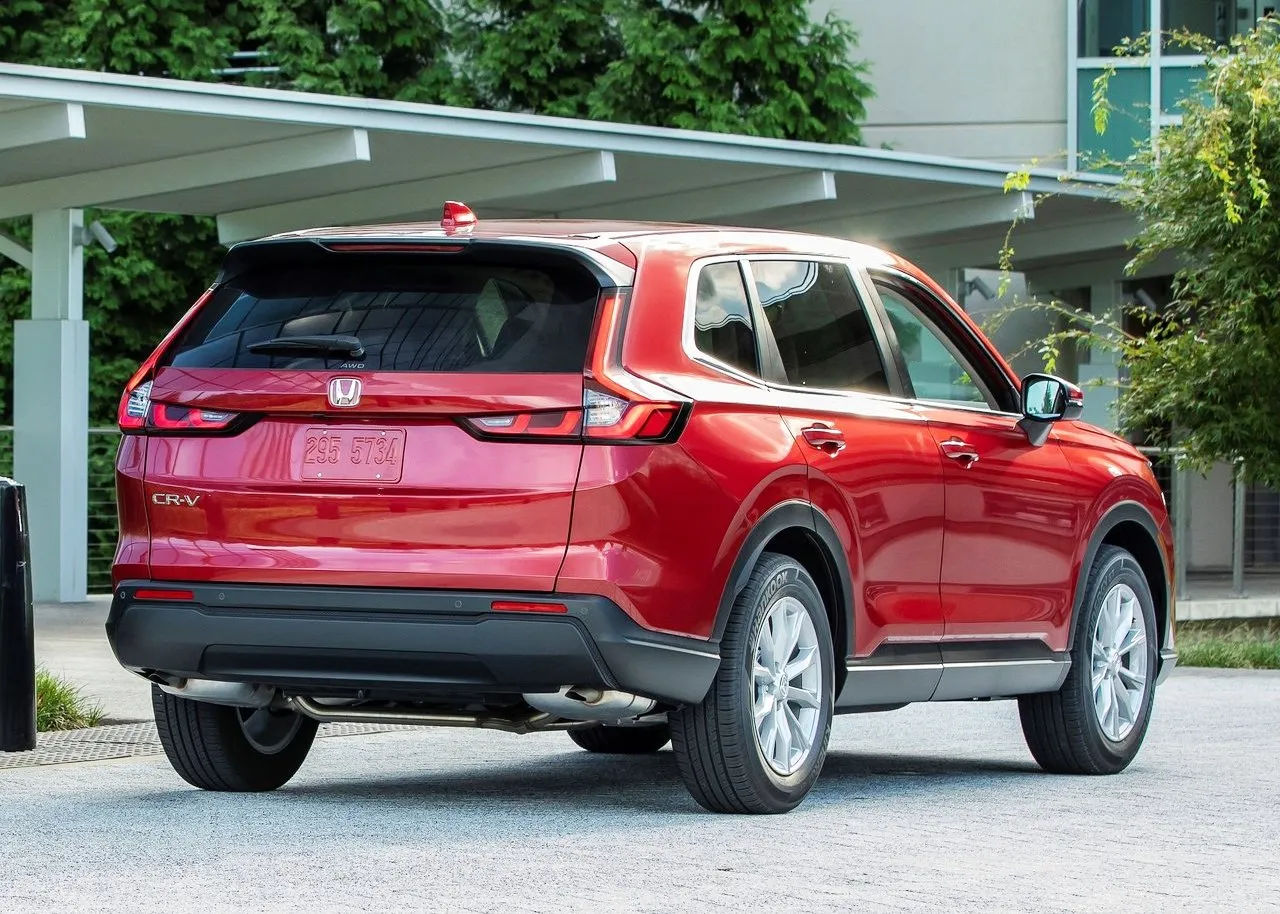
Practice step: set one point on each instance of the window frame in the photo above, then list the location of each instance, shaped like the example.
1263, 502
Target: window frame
1002, 393
691, 321
874, 318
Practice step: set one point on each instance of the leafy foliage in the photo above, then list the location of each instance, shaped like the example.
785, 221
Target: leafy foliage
759, 67
61, 705
537, 56
1203, 371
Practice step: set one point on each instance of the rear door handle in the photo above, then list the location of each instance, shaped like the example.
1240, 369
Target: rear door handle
824, 438
960, 451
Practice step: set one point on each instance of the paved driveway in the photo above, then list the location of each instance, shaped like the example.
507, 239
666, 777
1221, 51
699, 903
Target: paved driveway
933, 808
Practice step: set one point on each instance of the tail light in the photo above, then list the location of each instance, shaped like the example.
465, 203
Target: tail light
135, 402
168, 418
617, 406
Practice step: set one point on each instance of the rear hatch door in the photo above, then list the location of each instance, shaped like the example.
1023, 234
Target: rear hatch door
374, 418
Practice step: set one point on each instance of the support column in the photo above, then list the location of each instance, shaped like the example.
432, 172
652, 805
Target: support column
1104, 298
51, 409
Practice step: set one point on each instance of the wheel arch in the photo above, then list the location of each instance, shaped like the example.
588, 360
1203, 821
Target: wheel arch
798, 530
1130, 526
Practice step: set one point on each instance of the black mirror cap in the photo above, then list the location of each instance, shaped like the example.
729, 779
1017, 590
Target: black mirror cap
1046, 398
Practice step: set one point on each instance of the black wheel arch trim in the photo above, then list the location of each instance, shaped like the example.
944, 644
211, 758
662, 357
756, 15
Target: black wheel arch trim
1123, 512
793, 514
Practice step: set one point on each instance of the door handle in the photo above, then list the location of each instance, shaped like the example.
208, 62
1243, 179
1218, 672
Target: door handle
960, 451
824, 438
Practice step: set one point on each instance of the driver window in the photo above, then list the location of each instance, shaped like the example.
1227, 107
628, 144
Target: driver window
936, 371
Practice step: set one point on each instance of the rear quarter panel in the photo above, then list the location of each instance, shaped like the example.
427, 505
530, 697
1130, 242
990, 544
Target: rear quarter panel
657, 528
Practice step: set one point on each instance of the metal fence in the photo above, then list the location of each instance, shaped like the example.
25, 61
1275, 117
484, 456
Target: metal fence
1255, 522
103, 521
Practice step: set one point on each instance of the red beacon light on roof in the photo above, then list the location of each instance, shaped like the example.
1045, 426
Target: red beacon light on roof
457, 217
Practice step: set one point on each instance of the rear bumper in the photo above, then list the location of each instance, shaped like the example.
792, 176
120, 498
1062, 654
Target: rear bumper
400, 643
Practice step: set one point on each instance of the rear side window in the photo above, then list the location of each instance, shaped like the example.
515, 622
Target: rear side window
820, 325
409, 313
722, 325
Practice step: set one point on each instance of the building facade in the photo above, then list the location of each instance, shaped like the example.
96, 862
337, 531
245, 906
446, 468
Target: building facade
1014, 83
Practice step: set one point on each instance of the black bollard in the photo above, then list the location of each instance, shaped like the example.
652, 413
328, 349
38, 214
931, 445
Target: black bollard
17, 629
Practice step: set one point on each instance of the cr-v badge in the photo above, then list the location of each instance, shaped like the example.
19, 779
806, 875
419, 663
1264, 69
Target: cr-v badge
344, 392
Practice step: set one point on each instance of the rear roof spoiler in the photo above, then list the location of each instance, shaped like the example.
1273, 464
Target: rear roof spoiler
607, 271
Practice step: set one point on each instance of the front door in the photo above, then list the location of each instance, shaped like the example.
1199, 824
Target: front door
874, 470
1011, 514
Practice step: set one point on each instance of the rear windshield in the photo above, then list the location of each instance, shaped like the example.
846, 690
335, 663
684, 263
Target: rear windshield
410, 313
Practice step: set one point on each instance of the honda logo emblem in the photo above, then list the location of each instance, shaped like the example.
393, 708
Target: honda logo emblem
344, 392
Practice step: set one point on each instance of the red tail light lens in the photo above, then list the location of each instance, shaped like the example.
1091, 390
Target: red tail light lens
563, 424
135, 402
180, 418
134, 405
615, 418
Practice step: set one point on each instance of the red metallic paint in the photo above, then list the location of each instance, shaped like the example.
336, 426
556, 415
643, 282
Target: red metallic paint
935, 549
1013, 529
883, 492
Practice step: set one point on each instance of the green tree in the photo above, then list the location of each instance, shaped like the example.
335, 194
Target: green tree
1204, 373
536, 56
371, 48
759, 67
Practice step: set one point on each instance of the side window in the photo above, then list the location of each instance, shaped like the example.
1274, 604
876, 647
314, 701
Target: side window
722, 326
936, 370
820, 325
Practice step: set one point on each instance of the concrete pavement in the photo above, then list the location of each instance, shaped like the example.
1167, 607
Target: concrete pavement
931, 808
71, 642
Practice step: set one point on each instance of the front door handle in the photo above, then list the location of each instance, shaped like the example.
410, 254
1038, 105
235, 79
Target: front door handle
959, 451
824, 438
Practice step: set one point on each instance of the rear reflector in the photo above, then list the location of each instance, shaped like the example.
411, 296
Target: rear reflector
164, 595
507, 606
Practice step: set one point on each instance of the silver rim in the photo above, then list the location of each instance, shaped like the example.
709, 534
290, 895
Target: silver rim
787, 678
1119, 662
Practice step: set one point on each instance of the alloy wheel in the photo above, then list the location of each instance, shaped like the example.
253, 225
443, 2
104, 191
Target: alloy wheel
1119, 662
787, 686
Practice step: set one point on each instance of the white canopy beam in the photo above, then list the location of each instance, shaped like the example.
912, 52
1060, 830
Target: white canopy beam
723, 200
41, 124
899, 223
206, 169
14, 251
414, 198
1032, 243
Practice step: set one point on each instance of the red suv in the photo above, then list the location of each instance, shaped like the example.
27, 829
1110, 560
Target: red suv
642, 483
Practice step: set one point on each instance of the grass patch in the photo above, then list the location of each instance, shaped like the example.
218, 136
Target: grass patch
1242, 644
61, 706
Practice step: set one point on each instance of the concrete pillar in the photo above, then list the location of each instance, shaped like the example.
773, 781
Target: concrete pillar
51, 408
1103, 365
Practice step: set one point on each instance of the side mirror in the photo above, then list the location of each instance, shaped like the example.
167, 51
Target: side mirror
1045, 400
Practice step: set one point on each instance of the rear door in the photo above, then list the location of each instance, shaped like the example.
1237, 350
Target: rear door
874, 469
399, 419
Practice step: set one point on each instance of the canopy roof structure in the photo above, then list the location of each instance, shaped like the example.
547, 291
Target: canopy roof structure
264, 161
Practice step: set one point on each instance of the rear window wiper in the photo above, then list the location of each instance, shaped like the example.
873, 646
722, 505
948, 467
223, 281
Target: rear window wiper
335, 344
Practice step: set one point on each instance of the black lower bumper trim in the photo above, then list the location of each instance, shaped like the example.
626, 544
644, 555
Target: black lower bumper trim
418, 644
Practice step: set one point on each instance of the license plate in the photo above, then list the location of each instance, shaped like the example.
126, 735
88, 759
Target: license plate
353, 454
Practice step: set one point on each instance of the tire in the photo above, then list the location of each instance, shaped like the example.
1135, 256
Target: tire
1066, 731
212, 748
720, 757
622, 740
